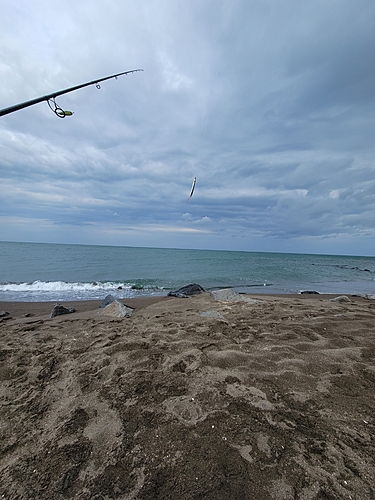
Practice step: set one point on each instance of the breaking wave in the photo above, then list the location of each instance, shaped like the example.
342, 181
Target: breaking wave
65, 291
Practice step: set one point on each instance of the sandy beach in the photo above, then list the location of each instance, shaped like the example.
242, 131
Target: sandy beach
265, 397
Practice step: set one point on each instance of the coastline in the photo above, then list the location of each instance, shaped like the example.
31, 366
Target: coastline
19, 309
40, 272
25, 309
270, 396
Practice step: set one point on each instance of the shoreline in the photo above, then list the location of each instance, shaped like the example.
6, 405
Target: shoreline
23, 309
27, 309
363, 288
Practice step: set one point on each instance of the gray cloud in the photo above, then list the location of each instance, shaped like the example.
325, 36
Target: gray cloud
270, 105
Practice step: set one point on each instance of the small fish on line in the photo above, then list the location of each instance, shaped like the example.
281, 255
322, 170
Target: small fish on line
192, 189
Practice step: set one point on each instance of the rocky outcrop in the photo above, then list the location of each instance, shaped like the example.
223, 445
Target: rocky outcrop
187, 291
108, 300
341, 298
116, 309
4, 315
230, 295
58, 310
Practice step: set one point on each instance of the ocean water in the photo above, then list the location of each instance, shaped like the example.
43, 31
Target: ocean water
49, 272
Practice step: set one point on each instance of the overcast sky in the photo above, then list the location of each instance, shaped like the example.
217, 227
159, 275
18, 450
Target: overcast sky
270, 104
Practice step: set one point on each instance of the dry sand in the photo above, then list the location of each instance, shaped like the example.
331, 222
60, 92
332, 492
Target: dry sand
189, 399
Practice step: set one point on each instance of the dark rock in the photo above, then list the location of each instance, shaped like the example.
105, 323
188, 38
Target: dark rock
187, 291
3, 314
108, 300
58, 310
310, 292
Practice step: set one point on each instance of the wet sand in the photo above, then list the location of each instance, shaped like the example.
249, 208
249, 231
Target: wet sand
271, 397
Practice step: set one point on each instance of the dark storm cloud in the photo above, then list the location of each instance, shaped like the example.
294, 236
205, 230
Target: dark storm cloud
270, 105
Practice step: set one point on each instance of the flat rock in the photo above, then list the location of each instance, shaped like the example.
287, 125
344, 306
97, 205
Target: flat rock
341, 298
213, 315
187, 291
230, 295
249, 300
227, 295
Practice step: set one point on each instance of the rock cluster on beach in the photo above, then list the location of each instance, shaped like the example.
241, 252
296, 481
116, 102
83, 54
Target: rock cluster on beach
110, 307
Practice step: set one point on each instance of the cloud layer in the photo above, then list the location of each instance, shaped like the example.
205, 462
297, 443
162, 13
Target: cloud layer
271, 105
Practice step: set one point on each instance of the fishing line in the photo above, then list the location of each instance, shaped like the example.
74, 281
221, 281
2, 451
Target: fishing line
29, 146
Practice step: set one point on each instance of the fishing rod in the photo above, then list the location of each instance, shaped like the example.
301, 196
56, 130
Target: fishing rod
50, 98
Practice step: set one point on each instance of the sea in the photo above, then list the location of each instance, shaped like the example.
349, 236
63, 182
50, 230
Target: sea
33, 272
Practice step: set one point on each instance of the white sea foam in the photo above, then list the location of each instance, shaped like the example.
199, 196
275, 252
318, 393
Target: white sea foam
58, 286
61, 290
